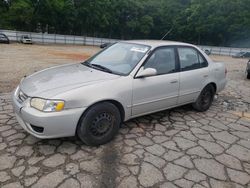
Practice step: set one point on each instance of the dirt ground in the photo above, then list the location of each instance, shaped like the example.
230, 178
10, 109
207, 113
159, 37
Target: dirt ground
18, 60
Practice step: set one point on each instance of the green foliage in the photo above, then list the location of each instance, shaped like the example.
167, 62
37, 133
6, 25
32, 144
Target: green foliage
212, 22
3, 14
20, 14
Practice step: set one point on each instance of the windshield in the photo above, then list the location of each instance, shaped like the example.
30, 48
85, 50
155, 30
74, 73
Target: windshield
120, 58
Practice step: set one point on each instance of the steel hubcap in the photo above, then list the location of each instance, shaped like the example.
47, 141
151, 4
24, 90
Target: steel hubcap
206, 98
101, 124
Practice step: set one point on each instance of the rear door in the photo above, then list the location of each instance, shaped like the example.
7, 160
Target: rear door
193, 74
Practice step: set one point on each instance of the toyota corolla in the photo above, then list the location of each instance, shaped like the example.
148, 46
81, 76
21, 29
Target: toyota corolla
123, 81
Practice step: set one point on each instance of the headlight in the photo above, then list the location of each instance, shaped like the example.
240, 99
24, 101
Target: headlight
47, 105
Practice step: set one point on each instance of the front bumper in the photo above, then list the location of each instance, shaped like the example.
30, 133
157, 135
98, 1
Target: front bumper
54, 124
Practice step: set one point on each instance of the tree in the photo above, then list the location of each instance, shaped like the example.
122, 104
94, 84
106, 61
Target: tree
212, 22
20, 14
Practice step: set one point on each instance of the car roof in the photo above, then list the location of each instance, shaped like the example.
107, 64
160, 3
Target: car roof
157, 43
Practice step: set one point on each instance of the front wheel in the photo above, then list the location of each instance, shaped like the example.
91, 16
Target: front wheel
99, 124
248, 75
205, 99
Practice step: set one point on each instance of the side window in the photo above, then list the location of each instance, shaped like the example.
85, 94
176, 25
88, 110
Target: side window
190, 59
163, 60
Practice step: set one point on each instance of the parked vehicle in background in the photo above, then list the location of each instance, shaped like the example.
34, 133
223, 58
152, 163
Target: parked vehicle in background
207, 51
4, 39
105, 45
126, 80
25, 39
242, 55
248, 70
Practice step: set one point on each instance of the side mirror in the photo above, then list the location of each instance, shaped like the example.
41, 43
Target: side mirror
146, 72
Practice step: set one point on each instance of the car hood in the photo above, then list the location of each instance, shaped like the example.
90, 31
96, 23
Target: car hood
50, 82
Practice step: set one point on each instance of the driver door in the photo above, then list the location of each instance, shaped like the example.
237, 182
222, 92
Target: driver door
159, 92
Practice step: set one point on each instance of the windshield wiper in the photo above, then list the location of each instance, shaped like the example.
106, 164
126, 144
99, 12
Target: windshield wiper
97, 66
101, 67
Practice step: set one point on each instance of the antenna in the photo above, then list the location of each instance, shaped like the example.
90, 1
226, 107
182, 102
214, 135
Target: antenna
169, 31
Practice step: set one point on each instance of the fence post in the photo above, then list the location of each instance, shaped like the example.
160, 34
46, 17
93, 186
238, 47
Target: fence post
16, 36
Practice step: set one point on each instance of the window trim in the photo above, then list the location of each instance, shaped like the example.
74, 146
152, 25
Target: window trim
151, 52
198, 53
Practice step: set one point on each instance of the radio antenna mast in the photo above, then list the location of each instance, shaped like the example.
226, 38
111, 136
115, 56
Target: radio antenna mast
169, 31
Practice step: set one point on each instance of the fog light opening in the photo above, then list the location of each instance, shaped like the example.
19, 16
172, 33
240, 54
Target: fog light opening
37, 129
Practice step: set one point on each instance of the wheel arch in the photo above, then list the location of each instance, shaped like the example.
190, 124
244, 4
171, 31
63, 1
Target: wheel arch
114, 102
119, 106
214, 86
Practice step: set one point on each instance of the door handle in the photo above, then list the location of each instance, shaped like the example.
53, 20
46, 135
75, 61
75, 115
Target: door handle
174, 81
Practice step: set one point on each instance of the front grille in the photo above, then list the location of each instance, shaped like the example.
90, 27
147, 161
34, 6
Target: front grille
22, 96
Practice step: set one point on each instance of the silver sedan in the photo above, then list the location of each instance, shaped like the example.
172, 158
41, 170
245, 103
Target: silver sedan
123, 81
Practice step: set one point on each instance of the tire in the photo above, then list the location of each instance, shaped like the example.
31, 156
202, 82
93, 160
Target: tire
248, 75
99, 124
205, 99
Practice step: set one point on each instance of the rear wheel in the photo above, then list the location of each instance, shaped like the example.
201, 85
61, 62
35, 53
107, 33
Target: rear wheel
205, 99
248, 75
99, 124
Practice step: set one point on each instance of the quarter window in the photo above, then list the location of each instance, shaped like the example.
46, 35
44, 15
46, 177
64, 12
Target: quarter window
203, 62
190, 59
163, 60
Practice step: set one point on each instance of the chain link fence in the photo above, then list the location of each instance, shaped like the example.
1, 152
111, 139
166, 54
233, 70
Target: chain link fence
43, 38
226, 51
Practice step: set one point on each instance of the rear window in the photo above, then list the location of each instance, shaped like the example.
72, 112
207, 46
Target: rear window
191, 59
